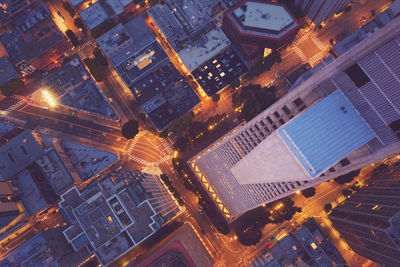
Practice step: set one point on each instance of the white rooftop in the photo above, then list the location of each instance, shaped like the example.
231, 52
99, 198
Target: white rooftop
273, 155
209, 45
263, 16
93, 15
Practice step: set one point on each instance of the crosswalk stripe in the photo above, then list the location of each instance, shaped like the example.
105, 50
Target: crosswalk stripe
138, 160
300, 54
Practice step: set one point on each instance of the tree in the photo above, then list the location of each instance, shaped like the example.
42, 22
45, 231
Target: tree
347, 192
197, 130
70, 34
309, 192
235, 83
79, 23
328, 207
236, 100
183, 122
216, 97
67, 6
347, 178
11, 87
95, 70
251, 108
99, 57
181, 143
130, 129
249, 236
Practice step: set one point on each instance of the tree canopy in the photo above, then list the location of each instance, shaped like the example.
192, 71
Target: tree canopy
67, 6
347, 178
130, 129
71, 35
11, 87
79, 23
183, 122
309, 192
328, 207
95, 70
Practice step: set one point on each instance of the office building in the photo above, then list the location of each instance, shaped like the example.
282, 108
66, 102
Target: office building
369, 221
113, 215
340, 119
320, 10
255, 25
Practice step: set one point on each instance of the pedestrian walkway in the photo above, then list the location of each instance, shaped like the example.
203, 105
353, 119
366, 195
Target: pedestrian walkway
167, 146
139, 160
164, 159
21, 102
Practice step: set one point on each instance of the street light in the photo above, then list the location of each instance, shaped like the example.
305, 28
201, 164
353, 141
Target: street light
49, 98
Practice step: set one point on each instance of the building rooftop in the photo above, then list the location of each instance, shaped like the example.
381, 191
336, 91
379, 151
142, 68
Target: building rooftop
29, 193
220, 70
331, 124
7, 71
269, 20
113, 215
263, 16
207, 46
34, 34
18, 153
5, 128
164, 95
125, 41
183, 248
94, 15
75, 2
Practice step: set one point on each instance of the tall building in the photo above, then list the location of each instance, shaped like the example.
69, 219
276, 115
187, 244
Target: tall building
369, 221
255, 25
338, 120
320, 10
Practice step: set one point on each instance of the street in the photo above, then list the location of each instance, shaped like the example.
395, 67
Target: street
310, 46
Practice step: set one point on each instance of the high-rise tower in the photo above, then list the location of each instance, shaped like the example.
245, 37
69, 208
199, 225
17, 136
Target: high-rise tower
342, 118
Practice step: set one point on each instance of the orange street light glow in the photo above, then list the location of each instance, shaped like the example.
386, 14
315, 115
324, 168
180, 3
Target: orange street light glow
49, 98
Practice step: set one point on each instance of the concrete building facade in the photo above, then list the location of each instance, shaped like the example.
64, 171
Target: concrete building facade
320, 10
369, 221
299, 142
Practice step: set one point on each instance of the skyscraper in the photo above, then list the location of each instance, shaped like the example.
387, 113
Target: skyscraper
369, 221
340, 119
320, 10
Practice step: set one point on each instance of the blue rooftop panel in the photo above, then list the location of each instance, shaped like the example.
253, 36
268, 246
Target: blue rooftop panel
326, 133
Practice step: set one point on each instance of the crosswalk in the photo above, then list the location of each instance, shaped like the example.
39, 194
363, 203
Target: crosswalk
167, 146
81, 52
164, 159
318, 43
135, 140
301, 39
139, 160
300, 54
314, 60
15, 106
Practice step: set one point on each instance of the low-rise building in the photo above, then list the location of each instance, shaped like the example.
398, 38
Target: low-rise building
112, 215
35, 42
7, 71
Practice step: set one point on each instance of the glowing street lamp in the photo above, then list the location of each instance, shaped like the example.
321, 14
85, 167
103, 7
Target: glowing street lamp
49, 98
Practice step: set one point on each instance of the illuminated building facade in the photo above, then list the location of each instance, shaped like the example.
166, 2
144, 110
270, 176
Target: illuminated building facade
340, 119
320, 10
369, 221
